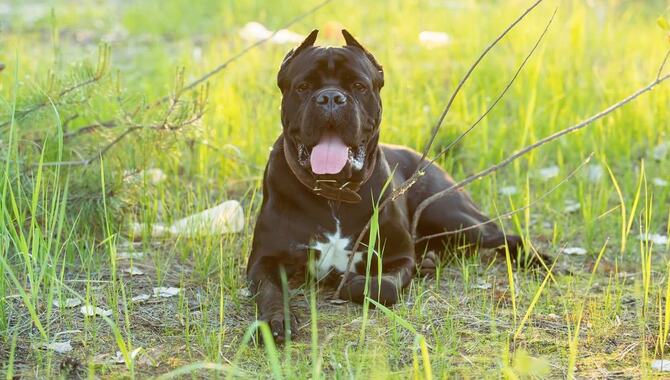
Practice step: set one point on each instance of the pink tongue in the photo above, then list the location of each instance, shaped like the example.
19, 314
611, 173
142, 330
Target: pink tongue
330, 155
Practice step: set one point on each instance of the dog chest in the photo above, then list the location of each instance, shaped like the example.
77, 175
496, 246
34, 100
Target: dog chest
333, 251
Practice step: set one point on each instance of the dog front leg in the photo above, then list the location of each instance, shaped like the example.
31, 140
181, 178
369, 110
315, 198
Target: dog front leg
265, 283
384, 289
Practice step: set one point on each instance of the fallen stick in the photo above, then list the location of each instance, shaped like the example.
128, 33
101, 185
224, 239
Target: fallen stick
513, 212
426, 202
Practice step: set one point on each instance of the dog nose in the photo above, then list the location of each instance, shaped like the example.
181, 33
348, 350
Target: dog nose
331, 99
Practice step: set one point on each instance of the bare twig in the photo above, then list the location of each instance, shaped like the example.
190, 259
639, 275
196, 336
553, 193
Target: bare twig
88, 129
500, 96
68, 120
164, 126
513, 212
103, 124
244, 51
660, 68
418, 171
437, 126
99, 154
101, 69
422, 206
22, 114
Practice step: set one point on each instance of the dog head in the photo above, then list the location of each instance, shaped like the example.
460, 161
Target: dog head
331, 107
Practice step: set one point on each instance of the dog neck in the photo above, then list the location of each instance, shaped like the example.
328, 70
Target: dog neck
330, 189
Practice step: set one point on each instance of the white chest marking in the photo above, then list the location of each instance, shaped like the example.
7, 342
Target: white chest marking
334, 254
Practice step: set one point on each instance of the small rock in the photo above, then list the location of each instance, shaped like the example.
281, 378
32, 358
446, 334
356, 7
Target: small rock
140, 298
549, 172
661, 151
657, 239
576, 251
359, 321
119, 359
59, 347
244, 292
166, 292
67, 303
90, 311
508, 190
154, 176
483, 285
133, 271
595, 173
337, 301
571, 206
660, 182
129, 255
255, 31
431, 39
661, 365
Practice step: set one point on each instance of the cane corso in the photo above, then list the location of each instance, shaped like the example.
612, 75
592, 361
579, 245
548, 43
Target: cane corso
325, 173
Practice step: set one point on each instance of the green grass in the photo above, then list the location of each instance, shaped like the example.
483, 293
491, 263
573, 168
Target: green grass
63, 229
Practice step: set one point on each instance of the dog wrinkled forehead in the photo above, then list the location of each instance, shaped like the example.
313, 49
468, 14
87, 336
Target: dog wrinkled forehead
300, 59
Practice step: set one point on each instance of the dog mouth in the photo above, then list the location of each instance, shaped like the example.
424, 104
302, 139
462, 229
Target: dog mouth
331, 155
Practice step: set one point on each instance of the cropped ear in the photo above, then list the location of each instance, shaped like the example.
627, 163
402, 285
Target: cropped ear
309, 41
351, 41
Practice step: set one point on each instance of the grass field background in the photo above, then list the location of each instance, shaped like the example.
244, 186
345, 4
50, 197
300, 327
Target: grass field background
64, 234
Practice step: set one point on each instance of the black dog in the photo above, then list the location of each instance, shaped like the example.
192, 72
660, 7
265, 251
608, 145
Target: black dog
324, 174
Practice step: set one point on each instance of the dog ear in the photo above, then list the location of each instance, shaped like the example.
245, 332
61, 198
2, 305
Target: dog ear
308, 42
351, 41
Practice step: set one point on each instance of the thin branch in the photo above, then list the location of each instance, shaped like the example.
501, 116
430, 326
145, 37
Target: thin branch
99, 154
88, 129
22, 114
101, 68
244, 51
500, 96
422, 206
68, 120
418, 172
103, 124
164, 126
513, 212
660, 68
437, 126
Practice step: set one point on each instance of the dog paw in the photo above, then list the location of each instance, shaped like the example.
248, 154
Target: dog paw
428, 265
526, 257
278, 328
384, 292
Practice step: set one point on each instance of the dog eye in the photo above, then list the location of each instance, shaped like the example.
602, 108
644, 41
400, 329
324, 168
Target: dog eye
358, 86
302, 87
